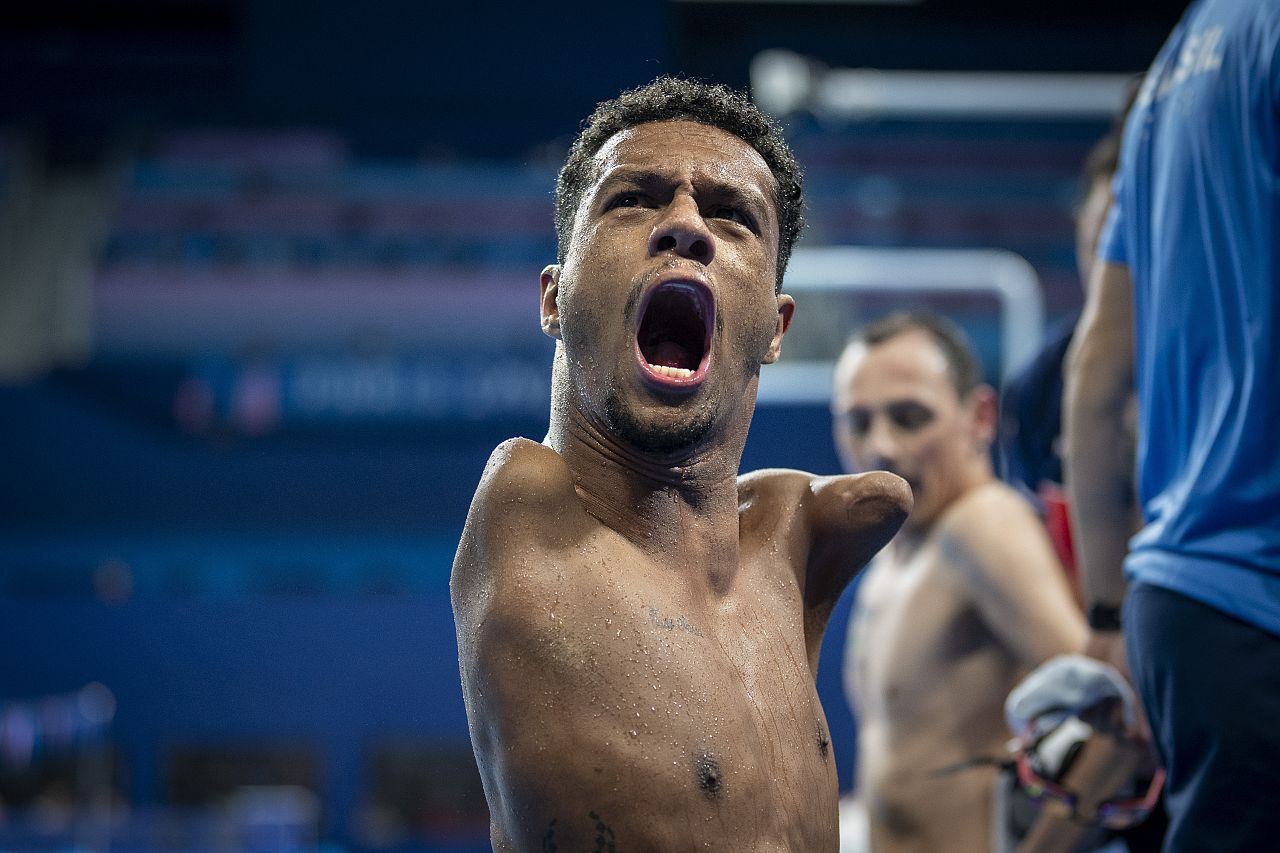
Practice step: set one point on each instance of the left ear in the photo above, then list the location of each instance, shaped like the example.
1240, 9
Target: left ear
549, 289
985, 413
786, 307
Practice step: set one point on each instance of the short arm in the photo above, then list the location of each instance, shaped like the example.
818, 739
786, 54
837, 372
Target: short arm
850, 518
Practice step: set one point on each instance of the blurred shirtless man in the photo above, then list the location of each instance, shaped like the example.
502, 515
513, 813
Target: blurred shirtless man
963, 602
638, 627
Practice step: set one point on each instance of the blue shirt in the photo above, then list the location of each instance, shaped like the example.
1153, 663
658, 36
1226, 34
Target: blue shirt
1197, 220
1031, 414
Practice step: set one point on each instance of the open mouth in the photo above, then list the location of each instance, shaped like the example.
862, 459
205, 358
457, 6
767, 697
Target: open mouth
674, 338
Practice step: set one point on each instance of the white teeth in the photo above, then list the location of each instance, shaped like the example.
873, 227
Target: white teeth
673, 372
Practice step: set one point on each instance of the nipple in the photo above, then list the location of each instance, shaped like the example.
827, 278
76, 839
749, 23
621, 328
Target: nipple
709, 776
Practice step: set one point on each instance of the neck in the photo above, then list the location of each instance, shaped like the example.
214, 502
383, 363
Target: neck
680, 507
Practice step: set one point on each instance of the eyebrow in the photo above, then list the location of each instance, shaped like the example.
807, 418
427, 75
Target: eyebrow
737, 195
885, 407
645, 179
652, 180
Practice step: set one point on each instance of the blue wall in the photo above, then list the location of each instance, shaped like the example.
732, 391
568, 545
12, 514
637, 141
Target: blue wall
283, 590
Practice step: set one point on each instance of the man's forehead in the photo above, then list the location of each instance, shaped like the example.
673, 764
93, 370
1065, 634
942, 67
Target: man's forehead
674, 146
909, 362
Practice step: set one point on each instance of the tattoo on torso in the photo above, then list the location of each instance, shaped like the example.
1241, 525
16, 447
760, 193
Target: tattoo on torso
666, 623
604, 842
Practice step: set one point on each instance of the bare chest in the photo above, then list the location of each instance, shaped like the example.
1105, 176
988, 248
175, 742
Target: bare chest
922, 655
703, 704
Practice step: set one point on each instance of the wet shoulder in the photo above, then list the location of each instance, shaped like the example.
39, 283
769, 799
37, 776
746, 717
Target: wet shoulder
771, 489
525, 502
868, 508
524, 472
770, 499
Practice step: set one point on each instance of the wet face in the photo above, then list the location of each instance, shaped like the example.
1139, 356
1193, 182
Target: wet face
895, 409
665, 306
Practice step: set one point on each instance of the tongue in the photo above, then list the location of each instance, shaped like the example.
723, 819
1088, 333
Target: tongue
671, 354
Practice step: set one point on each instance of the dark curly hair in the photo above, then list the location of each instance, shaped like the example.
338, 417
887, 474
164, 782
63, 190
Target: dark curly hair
673, 99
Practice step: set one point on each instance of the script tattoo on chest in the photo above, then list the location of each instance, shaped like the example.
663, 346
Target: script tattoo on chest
666, 623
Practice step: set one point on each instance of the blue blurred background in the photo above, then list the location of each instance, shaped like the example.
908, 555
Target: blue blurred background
268, 289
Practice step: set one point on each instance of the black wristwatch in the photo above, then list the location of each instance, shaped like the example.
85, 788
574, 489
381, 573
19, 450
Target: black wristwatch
1104, 617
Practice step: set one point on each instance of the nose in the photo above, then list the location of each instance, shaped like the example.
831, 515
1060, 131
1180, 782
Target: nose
882, 444
682, 230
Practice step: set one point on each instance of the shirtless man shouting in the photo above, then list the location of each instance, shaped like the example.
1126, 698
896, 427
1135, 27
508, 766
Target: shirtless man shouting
967, 598
639, 627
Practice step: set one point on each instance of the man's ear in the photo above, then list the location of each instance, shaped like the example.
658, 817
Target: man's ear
786, 307
986, 414
550, 288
